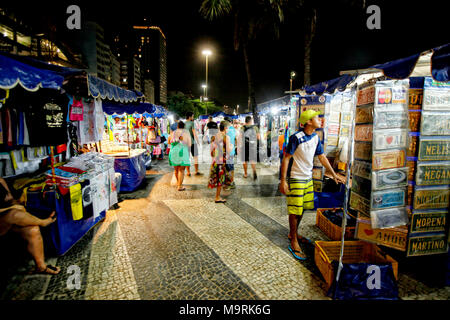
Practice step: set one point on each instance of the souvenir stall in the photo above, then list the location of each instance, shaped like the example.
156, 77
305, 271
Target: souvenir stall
132, 135
398, 156
41, 128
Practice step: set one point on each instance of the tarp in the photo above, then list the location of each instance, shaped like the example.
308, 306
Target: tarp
330, 86
60, 236
402, 68
132, 170
111, 108
102, 88
14, 72
440, 63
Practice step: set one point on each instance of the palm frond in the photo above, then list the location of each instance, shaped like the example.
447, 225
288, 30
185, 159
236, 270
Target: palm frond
211, 9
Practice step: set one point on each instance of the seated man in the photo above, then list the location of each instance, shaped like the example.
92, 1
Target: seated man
14, 217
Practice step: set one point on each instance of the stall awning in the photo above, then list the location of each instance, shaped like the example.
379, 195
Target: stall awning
111, 108
330, 86
101, 88
14, 72
403, 68
440, 63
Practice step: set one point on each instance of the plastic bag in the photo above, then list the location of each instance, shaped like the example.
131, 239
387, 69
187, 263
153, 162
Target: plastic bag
364, 281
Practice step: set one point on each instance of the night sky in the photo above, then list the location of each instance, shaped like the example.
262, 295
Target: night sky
342, 42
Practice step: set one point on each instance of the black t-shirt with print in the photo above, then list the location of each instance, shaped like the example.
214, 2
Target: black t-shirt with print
46, 119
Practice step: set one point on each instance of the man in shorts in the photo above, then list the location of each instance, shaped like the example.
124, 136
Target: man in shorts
189, 126
298, 187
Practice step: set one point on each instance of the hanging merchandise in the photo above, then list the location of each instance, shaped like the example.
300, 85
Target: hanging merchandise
76, 110
431, 185
76, 201
379, 185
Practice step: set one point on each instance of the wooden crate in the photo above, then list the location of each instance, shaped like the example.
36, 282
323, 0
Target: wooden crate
333, 231
354, 252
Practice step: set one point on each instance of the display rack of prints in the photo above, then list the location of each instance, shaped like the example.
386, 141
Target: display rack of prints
431, 195
380, 174
319, 103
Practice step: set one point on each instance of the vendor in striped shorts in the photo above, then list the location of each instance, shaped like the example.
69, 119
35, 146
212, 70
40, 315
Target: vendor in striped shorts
298, 187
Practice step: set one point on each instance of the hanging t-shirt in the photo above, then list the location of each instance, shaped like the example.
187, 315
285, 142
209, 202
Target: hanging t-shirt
76, 111
86, 127
76, 202
46, 118
88, 203
99, 120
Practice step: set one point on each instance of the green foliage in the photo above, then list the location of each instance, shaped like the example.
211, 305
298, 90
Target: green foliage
180, 103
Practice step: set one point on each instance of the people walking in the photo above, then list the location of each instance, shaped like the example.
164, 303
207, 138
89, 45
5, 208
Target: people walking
231, 134
219, 176
189, 127
297, 185
180, 141
249, 148
211, 129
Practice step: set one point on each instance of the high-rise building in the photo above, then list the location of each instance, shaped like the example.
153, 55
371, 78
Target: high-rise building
96, 52
149, 91
19, 37
150, 48
115, 70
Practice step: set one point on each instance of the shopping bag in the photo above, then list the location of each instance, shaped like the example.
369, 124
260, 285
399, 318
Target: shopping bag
364, 281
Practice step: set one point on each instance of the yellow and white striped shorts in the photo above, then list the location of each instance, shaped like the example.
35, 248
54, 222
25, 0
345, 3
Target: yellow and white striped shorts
300, 196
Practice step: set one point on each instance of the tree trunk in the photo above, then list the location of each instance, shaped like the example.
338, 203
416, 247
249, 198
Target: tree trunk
309, 35
251, 89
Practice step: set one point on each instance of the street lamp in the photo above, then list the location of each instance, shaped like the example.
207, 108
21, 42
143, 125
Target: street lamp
206, 53
204, 89
292, 77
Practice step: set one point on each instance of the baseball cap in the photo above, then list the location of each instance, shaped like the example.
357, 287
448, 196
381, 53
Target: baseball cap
308, 115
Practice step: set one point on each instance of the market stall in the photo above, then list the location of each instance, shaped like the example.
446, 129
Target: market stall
134, 133
46, 133
397, 158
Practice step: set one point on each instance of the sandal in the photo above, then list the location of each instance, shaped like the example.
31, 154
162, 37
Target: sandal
294, 253
220, 201
181, 189
46, 270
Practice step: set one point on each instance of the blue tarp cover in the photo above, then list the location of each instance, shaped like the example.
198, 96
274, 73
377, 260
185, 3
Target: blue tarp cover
60, 236
330, 86
111, 108
132, 170
13, 72
440, 63
400, 68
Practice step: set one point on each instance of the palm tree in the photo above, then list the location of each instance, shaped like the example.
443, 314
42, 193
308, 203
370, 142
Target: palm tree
250, 18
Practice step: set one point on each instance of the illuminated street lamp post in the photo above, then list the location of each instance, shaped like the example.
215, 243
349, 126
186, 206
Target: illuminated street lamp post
204, 90
206, 53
